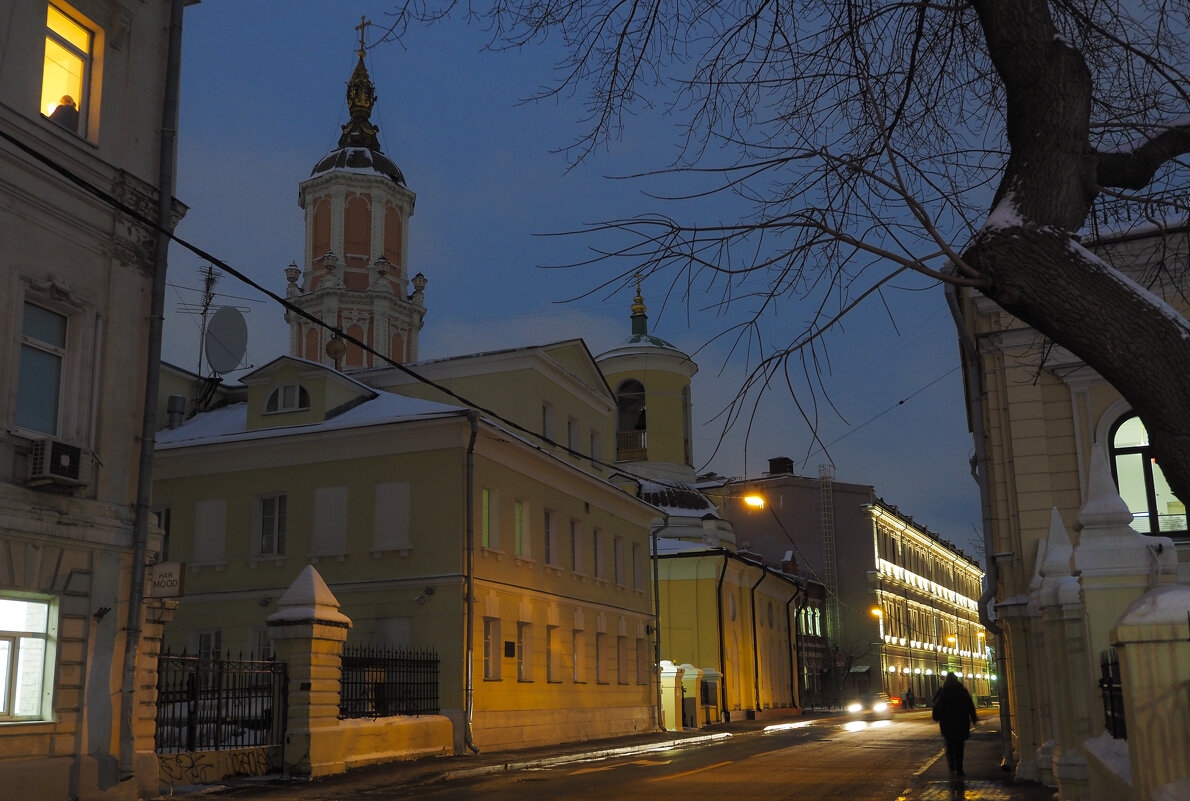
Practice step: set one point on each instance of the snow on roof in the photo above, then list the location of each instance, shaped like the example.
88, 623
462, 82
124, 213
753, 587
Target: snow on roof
669, 546
230, 423
677, 499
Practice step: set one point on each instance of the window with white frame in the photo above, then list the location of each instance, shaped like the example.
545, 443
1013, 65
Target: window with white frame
164, 522
28, 628
208, 644
270, 524
43, 356
572, 433
66, 70
550, 521
287, 398
524, 651
264, 645
547, 419
618, 559
491, 648
576, 546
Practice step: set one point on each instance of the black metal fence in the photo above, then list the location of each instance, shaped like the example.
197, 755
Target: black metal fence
1113, 694
206, 704
379, 682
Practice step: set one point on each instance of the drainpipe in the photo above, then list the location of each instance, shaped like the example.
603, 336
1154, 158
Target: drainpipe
657, 623
722, 658
144, 483
795, 644
468, 583
755, 643
974, 390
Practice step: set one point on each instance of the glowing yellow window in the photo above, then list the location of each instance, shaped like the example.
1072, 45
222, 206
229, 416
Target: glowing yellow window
67, 71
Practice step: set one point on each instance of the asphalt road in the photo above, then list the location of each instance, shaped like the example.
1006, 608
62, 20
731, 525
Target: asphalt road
820, 762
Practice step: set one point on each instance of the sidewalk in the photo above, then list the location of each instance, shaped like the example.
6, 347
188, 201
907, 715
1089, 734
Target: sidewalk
984, 780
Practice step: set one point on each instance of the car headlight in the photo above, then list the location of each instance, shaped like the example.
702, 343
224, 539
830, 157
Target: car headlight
879, 707
853, 708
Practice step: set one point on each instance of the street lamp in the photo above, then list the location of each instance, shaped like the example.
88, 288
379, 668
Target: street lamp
755, 501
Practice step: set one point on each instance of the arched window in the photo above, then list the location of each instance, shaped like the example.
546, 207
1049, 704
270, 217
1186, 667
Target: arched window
288, 398
687, 426
1142, 485
631, 426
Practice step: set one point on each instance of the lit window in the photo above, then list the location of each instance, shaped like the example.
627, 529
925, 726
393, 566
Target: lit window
1142, 485
487, 503
289, 398
66, 74
270, 520
491, 648
43, 351
27, 629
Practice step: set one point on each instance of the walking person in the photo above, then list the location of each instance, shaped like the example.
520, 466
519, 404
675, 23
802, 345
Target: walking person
955, 712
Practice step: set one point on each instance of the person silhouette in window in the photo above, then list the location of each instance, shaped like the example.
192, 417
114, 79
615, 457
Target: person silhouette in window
66, 114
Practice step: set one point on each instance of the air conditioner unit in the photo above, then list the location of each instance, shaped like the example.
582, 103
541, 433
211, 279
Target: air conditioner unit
55, 462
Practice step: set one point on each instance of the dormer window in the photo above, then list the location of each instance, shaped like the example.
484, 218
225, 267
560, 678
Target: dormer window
288, 398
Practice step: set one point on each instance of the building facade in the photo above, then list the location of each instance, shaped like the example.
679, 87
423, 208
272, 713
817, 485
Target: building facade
1039, 416
900, 601
84, 88
435, 528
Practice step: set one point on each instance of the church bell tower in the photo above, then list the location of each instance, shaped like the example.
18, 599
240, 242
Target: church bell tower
354, 270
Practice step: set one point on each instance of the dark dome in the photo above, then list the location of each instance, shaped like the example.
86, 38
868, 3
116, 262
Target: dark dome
359, 159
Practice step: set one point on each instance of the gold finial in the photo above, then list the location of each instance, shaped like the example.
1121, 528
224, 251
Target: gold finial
638, 303
363, 23
361, 97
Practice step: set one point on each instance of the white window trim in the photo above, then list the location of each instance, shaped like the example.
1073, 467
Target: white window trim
89, 99
77, 377
49, 658
258, 527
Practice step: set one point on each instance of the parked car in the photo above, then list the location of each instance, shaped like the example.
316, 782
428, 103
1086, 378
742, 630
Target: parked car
872, 706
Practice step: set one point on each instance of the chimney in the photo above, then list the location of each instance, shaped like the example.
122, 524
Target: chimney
175, 410
780, 465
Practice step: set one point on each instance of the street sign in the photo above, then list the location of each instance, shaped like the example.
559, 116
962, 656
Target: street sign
167, 579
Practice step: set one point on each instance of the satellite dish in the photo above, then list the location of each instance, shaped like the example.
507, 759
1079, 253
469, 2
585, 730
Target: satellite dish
226, 340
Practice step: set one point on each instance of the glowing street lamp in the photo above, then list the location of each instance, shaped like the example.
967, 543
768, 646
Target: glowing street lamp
755, 501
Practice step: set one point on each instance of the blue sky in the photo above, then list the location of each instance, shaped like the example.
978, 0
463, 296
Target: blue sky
262, 100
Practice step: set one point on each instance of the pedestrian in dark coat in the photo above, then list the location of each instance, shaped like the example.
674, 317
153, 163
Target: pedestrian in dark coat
955, 712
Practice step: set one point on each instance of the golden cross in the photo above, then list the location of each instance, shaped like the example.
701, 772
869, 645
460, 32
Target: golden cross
363, 23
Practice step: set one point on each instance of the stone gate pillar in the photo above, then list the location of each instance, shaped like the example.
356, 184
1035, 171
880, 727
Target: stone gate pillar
308, 632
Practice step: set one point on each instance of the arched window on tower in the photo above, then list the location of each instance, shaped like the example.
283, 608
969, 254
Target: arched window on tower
631, 427
1142, 485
